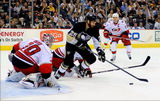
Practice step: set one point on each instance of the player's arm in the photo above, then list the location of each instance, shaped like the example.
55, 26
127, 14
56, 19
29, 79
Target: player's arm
97, 45
126, 32
74, 34
14, 49
125, 29
106, 35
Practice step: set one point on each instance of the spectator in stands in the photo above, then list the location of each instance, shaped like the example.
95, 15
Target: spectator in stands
55, 16
51, 8
68, 26
64, 6
135, 26
110, 14
60, 22
149, 25
75, 17
66, 22
28, 19
2, 25
124, 6
2, 15
135, 10
41, 25
140, 26
13, 24
25, 5
44, 21
36, 23
6, 20
157, 24
43, 7
17, 9
53, 24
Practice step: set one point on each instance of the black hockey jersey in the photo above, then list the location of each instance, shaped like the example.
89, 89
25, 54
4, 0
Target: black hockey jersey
90, 33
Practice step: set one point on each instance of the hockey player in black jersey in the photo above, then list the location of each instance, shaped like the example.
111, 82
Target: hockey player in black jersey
77, 39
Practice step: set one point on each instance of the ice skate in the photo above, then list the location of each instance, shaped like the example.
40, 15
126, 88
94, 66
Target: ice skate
113, 58
58, 74
129, 56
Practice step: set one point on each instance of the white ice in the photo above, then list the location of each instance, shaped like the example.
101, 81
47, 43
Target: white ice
106, 86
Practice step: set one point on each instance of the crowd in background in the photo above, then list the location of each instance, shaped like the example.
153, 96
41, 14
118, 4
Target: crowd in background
138, 14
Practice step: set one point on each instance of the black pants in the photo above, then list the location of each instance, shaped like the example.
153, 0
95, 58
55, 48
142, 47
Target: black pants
85, 53
20, 64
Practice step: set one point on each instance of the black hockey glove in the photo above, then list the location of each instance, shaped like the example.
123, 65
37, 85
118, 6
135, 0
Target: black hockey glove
101, 55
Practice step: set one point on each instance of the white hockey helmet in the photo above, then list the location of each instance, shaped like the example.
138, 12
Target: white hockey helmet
48, 39
115, 15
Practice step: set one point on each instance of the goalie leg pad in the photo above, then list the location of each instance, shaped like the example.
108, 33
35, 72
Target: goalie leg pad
32, 80
14, 76
51, 81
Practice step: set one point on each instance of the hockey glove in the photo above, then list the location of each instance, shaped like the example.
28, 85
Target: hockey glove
101, 55
88, 72
81, 72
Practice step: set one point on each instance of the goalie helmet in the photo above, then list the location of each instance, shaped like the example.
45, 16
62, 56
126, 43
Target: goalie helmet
48, 39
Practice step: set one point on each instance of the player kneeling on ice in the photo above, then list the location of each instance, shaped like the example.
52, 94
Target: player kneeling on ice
59, 56
117, 30
77, 39
31, 60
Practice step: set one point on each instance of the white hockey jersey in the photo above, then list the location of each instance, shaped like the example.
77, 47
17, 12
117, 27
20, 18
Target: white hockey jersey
116, 29
34, 51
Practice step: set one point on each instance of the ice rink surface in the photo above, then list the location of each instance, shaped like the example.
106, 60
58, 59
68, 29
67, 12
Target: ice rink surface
104, 86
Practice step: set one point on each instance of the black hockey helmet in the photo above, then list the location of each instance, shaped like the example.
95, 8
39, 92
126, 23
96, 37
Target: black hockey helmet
91, 18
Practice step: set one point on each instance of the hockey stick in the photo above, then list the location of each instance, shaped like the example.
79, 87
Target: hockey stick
145, 62
145, 80
149, 38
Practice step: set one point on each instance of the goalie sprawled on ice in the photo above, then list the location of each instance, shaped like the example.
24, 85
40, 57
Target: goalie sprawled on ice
32, 64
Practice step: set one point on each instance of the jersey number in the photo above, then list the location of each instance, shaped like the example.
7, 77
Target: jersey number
32, 50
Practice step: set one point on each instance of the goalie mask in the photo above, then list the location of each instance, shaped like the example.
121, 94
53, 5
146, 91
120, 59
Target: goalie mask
48, 39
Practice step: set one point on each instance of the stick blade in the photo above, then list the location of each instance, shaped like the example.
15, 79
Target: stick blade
145, 80
146, 61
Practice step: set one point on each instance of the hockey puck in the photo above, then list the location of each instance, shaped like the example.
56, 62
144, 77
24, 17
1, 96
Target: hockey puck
130, 83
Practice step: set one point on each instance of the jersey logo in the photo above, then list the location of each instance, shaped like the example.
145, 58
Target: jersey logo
116, 29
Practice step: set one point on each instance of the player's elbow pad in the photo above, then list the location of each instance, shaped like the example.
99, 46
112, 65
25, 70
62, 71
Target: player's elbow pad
81, 36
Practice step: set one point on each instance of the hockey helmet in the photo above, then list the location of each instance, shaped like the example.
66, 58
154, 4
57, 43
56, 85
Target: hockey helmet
48, 39
115, 15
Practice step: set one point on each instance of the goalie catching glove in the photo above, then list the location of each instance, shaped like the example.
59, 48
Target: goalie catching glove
101, 54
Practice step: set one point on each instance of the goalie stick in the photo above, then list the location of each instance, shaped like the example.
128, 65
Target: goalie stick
145, 62
140, 79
